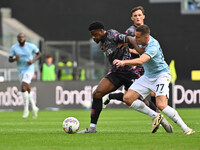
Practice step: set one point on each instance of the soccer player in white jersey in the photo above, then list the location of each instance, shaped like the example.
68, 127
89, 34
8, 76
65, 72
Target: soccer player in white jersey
23, 53
156, 78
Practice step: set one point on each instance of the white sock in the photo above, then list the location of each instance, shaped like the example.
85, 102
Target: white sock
92, 125
32, 101
26, 101
141, 107
173, 114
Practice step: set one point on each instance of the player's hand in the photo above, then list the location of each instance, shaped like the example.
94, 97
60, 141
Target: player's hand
118, 62
30, 62
16, 57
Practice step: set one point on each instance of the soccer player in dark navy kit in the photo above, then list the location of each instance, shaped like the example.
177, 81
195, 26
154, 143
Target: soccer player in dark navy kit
111, 43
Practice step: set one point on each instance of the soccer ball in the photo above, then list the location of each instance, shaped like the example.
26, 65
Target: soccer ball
71, 125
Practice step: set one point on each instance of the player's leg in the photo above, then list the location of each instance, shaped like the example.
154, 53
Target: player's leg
105, 86
162, 103
25, 94
165, 124
34, 107
131, 98
127, 78
153, 100
119, 97
140, 89
150, 104
27, 77
162, 89
116, 96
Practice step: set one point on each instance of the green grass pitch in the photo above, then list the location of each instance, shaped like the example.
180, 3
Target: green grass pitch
118, 129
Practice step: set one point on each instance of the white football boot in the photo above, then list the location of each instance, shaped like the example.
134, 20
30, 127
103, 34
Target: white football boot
105, 101
89, 130
35, 112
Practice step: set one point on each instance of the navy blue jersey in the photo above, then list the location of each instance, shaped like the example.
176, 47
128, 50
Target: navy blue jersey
110, 48
139, 70
131, 32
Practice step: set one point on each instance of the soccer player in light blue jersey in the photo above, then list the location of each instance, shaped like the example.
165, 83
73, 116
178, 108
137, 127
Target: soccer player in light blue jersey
23, 53
137, 16
156, 78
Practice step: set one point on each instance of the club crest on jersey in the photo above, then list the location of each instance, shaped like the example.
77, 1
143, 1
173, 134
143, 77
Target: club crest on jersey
107, 52
121, 37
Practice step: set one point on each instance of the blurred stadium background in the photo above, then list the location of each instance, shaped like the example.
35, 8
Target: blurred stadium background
59, 28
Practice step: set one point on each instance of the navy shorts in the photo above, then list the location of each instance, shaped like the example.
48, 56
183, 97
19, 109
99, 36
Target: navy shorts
125, 78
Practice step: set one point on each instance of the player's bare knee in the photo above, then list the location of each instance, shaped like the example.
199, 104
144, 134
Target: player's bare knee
152, 94
97, 94
23, 88
161, 102
161, 106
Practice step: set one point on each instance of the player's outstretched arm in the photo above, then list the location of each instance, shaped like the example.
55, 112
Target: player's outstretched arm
132, 41
133, 62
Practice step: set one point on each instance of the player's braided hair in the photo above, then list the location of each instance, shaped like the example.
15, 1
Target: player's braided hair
96, 25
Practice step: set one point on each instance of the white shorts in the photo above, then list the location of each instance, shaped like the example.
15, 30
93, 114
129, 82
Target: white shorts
159, 85
26, 77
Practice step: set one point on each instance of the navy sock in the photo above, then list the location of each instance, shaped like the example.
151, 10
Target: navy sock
96, 109
153, 100
117, 96
152, 106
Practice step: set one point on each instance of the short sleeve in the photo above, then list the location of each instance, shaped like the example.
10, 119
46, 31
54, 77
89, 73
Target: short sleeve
12, 52
35, 49
121, 38
151, 51
130, 33
116, 36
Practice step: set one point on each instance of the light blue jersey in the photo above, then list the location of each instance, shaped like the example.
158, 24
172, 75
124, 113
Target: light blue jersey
156, 65
25, 53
